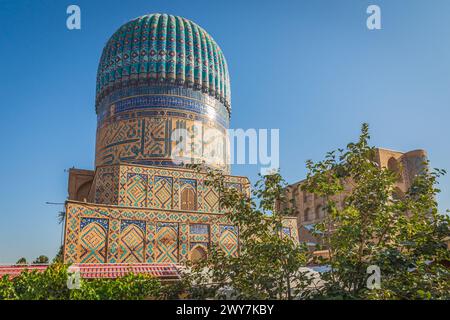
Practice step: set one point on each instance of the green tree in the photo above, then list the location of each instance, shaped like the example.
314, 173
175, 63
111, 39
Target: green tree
22, 261
403, 236
41, 260
129, 287
59, 255
6, 289
61, 217
269, 263
51, 284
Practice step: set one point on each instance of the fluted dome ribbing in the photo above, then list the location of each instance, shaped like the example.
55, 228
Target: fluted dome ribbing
167, 49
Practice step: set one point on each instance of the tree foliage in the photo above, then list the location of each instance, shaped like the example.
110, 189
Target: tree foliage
403, 236
59, 257
41, 260
22, 260
51, 284
268, 265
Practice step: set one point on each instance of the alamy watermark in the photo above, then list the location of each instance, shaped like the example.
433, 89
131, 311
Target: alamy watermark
374, 280
211, 146
73, 278
374, 20
73, 21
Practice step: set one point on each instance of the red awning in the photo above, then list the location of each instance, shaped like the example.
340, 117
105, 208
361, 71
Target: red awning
167, 271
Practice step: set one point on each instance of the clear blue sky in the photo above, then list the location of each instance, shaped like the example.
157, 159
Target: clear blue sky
310, 68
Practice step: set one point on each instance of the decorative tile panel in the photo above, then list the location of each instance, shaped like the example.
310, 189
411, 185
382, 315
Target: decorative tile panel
93, 240
132, 241
228, 241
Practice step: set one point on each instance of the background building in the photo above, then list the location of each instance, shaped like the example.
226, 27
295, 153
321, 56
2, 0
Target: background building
309, 208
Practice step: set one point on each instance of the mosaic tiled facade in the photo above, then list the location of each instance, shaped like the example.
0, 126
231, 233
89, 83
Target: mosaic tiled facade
150, 133
157, 74
142, 220
114, 234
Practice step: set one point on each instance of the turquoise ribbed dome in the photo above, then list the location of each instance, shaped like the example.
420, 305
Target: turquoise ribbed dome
165, 49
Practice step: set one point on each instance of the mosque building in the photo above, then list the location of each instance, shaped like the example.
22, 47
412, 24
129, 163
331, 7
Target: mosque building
159, 75
163, 102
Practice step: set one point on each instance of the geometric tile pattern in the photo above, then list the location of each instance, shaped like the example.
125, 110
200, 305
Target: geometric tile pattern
163, 192
198, 229
156, 187
86, 221
140, 232
93, 240
234, 185
166, 250
229, 240
105, 188
113, 240
211, 199
183, 239
215, 232
163, 187
136, 187
145, 138
91, 229
157, 129
118, 141
191, 182
150, 241
199, 239
199, 233
106, 185
132, 242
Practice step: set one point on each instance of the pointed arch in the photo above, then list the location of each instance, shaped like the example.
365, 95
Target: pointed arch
166, 243
93, 241
132, 244
229, 241
198, 253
